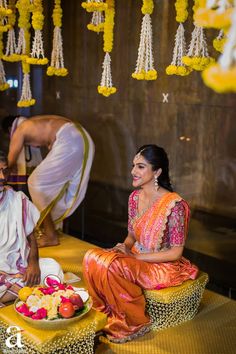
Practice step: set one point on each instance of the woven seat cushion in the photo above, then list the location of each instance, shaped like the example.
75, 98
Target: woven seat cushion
172, 306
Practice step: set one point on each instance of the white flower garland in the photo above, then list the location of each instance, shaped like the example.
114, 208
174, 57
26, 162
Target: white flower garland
21, 45
145, 62
11, 42
197, 57
198, 44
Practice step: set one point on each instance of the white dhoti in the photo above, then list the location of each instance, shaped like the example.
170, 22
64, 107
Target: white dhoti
59, 183
18, 217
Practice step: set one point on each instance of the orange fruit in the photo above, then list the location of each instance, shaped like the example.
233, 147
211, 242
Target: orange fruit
24, 293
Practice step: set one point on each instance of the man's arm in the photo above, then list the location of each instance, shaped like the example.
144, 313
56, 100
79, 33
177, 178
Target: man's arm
16, 145
32, 274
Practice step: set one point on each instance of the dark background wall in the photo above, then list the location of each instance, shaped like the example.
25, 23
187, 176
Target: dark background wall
202, 169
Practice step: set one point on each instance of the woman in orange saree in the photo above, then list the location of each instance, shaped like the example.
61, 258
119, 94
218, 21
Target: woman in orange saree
151, 255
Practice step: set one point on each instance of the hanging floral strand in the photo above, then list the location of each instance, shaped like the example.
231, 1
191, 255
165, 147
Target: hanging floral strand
106, 87
57, 59
221, 76
145, 62
197, 57
3, 84
219, 41
177, 66
94, 5
23, 51
214, 13
5, 12
26, 99
23, 43
37, 52
11, 38
97, 22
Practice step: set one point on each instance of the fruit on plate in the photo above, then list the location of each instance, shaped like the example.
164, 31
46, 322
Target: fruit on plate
24, 293
66, 310
76, 300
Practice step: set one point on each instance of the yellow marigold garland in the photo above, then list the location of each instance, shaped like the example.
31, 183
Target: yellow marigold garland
177, 67
220, 80
221, 76
37, 53
145, 62
148, 7
91, 6
4, 13
57, 60
97, 22
197, 57
181, 7
106, 87
219, 42
211, 18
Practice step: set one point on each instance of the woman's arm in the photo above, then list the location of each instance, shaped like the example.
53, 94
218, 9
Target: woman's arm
170, 255
126, 246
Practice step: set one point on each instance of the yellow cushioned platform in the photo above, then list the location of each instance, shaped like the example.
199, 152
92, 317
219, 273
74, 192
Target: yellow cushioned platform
78, 337
69, 253
172, 306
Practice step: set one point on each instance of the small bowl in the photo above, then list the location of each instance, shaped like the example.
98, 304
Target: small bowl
58, 323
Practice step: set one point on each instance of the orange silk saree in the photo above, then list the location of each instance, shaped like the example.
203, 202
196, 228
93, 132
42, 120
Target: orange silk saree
116, 281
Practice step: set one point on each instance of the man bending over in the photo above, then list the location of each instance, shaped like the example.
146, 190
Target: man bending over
58, 184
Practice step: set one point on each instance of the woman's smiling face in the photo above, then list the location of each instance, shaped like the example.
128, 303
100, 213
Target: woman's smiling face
142, 172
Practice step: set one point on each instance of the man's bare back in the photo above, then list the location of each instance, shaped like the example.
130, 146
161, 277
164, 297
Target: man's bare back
39, 131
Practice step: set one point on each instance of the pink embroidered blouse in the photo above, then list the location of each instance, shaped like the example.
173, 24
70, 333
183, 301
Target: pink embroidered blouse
174, 234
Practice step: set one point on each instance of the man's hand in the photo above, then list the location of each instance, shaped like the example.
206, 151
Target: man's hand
32, 274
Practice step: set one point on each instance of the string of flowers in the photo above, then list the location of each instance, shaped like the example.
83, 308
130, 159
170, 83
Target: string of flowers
177, 66
94, 5
26, 99
23, 43
221, 76
214, 13
197, 57
3, 84
219, 41
57, 59
37, 52
145, 62
4, 14
97, 22
23, 51
11, 38
106, 87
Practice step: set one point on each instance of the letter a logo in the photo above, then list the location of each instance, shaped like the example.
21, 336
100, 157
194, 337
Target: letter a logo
14, 340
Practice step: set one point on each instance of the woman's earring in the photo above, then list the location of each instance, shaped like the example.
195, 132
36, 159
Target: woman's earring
156, 183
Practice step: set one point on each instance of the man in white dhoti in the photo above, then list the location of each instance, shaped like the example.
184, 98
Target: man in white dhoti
58, 184
19, 262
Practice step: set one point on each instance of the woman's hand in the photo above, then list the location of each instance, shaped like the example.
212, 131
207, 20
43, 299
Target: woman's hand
122, 248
